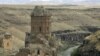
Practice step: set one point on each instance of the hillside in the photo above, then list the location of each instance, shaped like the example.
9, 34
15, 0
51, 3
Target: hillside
17, 20
90, 46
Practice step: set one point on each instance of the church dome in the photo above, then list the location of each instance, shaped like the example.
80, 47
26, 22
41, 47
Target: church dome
40, 11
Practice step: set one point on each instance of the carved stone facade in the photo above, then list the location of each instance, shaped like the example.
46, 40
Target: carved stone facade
40, 21
40, 26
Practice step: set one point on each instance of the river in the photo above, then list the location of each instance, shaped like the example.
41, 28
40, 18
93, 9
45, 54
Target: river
68, 51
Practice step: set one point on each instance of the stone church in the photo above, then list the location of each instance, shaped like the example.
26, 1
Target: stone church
40, 24
39, 41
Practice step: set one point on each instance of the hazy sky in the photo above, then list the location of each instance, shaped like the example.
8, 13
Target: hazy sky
49, 1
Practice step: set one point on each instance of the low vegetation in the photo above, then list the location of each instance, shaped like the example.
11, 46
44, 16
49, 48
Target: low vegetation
75, 53
16, 20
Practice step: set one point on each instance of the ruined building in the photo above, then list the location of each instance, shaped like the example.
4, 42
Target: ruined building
40, 24
40, 21
6, 42
39, 41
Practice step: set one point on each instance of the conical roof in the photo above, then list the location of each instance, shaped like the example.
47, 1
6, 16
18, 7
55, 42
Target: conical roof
40, 11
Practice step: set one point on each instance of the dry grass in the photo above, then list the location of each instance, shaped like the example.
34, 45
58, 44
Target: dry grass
17, 20
94, 39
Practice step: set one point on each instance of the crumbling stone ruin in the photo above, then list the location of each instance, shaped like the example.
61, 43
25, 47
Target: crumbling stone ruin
6, 43
39, 41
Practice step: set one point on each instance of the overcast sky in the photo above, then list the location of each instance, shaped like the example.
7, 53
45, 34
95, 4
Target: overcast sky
49, 1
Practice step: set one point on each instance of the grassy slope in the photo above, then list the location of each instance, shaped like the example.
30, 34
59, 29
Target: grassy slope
17, 20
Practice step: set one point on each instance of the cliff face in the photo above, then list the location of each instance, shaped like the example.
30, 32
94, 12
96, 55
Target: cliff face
91, 45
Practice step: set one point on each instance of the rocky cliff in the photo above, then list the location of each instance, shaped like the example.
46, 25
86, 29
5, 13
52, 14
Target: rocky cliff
90, 46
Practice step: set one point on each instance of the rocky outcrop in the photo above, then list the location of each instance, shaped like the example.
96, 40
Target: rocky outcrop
91, 45
72, 35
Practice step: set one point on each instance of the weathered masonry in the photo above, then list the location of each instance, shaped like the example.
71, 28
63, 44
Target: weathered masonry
40, 21
6, 42
40, 24
37, 42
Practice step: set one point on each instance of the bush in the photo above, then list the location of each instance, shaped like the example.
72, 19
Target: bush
75, 53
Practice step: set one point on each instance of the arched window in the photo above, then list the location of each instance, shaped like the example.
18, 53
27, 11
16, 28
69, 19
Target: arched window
7, 44
32, 27
38, 52
47, 28
40, 29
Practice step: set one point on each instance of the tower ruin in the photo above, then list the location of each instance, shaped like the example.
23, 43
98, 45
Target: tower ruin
39, 41
40, 21
7, 42
40, 25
